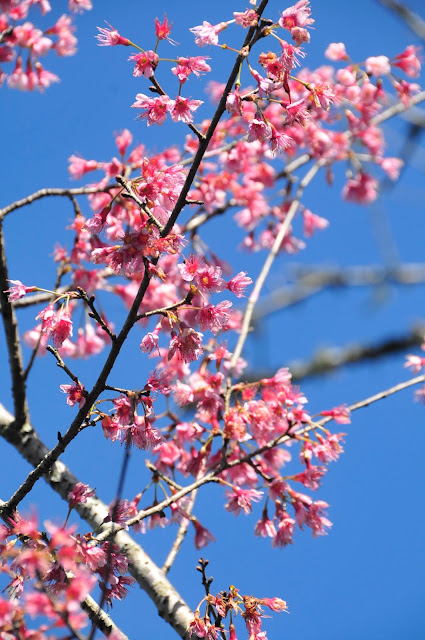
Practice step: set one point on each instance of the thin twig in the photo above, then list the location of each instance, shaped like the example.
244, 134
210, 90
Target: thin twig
172, 307
284, 227
60, 363
43, 193
94, 313
133, 195
181, 534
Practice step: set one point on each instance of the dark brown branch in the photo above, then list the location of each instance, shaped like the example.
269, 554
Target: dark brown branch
131, 194
43, 193
94, 313
12, 340
62, 365
203, 144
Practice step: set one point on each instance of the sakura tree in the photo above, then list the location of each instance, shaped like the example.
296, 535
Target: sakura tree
154, 301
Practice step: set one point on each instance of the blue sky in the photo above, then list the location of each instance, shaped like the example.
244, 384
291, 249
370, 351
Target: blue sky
365, 578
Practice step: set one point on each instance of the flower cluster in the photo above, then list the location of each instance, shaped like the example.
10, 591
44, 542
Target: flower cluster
18, 35
51, 572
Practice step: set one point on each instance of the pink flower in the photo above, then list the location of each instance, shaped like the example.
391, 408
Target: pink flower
18, 290
188, 344
297, 111
259, 130
163, 29
336, 51
311, 477
378, 65
285, 531
279, 141
209, 279
415, 362
213, 317
296, 16
110, 37
156, 108
189, 269
207, 33
150, 341
409, 61
234, 102
275, 604
181, 109
123, 141
329, 449
316, 519
340, 414
62, 329
78, 167
241, 499
362, 189
238, 284
146, 63
78, 6
265, 527
75, 393
313, 222
58, 325
323, 95
202, 535
98, 222
248, 18
79, 494
392, 167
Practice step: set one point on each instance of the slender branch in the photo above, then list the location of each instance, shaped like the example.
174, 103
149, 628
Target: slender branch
60, 363
94, 313
43, 193
328, 359
310, 280
399, 107
108, 570
203, 144
401, 386
172, 307
284, 227
12, 340
131, 193
181, 534
412, 19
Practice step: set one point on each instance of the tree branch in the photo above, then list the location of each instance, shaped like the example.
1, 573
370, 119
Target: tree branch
43, 193
12, 340
148, 575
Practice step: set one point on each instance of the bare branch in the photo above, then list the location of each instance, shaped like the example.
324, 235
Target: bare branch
44, 193
328, 359
181, 534
284, 227
412, 19
312, 280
